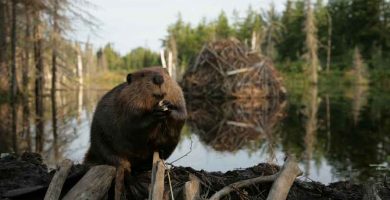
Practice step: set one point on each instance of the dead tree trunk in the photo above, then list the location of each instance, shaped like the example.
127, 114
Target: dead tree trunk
39, 79
25, 78
311, 43
4, 86
55, 35
13, 88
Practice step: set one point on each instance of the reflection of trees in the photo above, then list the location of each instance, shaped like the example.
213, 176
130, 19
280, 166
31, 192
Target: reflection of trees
353, 145
310, 111
234, 125
363, 143
62, 123
358, 94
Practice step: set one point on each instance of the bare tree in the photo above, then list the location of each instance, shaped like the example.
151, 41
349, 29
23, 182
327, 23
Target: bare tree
25, 76
13, 88
4, 86
55, 35
311, 43
39, 73
329, 46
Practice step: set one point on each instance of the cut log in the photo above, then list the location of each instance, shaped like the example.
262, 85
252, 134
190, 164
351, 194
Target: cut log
157, 185
55, 187
94, 185
283, 183
191, 188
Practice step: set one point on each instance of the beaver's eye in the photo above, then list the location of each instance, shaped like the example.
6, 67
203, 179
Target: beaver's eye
128, 78
142, 75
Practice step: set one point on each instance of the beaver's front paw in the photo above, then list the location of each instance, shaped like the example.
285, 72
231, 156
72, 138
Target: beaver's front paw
162, 109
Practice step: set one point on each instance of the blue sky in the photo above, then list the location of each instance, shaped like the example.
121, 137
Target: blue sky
132, 23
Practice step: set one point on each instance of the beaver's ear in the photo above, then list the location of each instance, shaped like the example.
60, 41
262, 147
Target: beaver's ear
128, 78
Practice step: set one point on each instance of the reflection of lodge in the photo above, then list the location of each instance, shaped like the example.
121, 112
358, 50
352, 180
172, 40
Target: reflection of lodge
235, 124
226, 70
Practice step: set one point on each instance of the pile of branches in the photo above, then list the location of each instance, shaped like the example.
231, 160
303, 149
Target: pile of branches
236, 124
19, 180
228, 69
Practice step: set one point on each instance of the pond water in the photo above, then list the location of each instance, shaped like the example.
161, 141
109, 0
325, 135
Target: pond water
338, 133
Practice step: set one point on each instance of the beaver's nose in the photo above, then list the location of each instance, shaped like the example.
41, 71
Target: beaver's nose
158, 80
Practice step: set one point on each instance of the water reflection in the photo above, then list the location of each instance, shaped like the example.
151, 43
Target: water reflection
337, 133
235, 125
311, 103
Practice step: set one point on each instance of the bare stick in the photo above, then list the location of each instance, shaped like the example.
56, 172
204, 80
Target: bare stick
164, 64
119, 186
238, 71
94, 185
157, 185
288, 173
55, 187
191, 188
227, 189
283, 183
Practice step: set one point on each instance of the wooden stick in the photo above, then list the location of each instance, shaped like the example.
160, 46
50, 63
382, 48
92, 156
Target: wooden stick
94, 185
290, 169
227, 189
55, 187
283, 183
191, 188
157, 185
238, 71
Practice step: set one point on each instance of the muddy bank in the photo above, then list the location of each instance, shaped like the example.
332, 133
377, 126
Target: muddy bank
26, 177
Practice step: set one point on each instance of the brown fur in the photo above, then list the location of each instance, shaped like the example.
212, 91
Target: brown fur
128, 124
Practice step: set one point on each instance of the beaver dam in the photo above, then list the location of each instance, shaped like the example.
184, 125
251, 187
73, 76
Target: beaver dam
26, 177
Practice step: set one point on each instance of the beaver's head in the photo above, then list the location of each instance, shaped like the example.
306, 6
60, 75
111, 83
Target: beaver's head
146, 87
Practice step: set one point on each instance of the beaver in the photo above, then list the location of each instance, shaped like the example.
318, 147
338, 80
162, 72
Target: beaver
136, 118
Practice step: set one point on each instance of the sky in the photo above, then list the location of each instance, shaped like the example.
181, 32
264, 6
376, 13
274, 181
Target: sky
128, 24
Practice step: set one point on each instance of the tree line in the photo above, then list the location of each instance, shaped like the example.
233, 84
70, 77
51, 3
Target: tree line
137, 58
336, 28
305, 36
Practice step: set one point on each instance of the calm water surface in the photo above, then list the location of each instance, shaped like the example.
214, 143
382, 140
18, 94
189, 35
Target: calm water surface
338, 133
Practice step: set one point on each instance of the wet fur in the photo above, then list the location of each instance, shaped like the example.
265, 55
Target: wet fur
125, 125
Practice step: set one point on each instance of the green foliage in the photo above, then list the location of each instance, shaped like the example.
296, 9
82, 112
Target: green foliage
252, 22
292, 43
353, 23
222, 28
113, 58
137, 58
